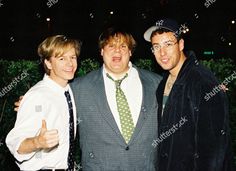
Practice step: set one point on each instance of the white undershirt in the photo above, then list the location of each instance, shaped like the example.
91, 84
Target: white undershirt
132, 89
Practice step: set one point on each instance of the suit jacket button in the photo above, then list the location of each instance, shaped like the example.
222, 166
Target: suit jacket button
196, 109
164, 155
222, 132
127, 148
91, 155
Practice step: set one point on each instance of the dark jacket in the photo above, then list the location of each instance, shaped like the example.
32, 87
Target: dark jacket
194, 128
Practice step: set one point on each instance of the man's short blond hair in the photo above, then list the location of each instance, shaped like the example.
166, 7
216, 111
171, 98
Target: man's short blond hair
56, 46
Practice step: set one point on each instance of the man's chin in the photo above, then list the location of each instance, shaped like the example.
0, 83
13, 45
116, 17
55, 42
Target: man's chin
70, 76
164, 67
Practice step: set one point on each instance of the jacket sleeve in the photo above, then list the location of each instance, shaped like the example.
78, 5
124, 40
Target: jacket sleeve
213, 133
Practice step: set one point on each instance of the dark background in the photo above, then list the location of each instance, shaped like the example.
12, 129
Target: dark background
23, 24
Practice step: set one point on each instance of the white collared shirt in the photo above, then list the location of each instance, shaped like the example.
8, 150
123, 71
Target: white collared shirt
132, 88
45, 100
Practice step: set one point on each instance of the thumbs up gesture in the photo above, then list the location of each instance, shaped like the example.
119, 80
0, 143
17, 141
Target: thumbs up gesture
47, 138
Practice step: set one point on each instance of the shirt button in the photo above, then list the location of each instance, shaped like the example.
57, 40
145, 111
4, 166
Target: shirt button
127, 148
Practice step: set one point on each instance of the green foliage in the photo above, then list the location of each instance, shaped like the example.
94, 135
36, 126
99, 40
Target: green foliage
144, 64
222, 68
86, 66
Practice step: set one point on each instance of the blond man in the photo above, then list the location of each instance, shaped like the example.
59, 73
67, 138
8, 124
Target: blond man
44, 132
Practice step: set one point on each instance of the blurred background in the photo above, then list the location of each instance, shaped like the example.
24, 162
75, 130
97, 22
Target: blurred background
24, 24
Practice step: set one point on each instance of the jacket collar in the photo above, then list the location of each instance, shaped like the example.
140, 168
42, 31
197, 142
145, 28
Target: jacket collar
188, 63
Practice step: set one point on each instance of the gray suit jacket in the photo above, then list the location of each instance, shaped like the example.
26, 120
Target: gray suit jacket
102, 145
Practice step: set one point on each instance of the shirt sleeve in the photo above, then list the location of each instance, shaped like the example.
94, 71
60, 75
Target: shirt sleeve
28, 123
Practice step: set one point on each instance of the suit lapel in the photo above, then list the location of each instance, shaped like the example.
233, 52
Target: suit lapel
102, 104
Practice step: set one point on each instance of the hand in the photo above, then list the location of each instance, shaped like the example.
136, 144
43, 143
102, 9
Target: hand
17, 104
47, 138
224, 88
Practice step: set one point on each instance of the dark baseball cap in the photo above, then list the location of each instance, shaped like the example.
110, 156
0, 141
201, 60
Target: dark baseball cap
166, 23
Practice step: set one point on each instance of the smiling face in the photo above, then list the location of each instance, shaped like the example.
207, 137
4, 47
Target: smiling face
170, 54
59, 55
116, 55
62, 68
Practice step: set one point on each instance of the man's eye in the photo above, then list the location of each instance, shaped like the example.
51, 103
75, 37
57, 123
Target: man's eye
156, 47
111, 45
168, 44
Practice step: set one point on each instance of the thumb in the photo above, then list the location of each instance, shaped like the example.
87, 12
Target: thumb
44, 126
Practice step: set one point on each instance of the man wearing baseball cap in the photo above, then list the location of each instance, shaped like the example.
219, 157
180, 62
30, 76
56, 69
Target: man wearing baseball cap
193, 129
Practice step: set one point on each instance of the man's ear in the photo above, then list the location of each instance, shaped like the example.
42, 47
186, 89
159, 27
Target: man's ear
130, 53
181, 44
48, 64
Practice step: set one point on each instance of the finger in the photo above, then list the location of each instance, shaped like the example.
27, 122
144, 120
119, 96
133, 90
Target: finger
44, 125
16, 109
51, 144
46, 140
51, 133
17, 103
20, 98
52, 141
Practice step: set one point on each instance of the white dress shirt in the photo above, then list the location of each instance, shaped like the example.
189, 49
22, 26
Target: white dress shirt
45, 100
132, 88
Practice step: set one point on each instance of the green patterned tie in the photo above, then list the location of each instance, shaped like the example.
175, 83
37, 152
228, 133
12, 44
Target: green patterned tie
127, 124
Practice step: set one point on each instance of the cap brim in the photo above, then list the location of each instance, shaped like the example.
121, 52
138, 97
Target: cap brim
147, 34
